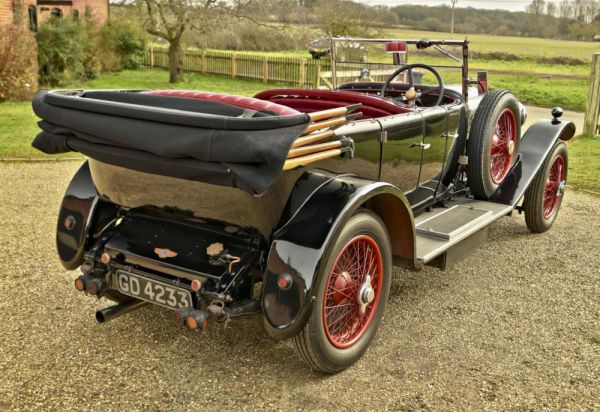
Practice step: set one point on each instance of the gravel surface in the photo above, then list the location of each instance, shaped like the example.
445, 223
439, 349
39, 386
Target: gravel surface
514, 326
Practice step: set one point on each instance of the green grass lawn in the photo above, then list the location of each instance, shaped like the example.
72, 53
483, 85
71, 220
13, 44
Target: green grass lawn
584, 163
18, 123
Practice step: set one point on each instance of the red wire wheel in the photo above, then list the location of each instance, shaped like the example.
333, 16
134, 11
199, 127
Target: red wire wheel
552, 191
502, 148
352, 291
544, 195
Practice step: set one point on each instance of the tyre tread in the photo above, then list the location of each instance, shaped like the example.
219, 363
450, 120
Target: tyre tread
534, 218
305, 342
476, 144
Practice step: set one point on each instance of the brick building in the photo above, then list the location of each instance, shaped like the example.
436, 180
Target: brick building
33, 12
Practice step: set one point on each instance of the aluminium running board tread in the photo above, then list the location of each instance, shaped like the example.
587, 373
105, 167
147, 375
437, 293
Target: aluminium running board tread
443, 228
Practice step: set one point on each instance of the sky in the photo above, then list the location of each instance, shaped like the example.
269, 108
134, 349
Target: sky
512, 5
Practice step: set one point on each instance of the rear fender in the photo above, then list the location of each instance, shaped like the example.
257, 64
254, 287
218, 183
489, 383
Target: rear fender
536, 144
316, 212
81, 211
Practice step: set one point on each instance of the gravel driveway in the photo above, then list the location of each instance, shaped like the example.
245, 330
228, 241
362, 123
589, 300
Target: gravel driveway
514, 326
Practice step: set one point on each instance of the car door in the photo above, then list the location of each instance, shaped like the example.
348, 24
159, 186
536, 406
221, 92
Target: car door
402, 136
440, 131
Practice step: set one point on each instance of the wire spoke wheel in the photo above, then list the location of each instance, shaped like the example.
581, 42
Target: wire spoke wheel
502, 149
552, 192
350, 295
543, 198
352, 292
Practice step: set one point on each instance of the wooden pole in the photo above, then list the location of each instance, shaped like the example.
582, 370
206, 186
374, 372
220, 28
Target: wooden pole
592, 112
203, 62
311, 158
302, 73
316, 148
265, 69
312, 138
336, 121
151, 56
233, 65
318, 75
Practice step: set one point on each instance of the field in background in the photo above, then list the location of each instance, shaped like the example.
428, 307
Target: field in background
522, 46
18, 123
521, 64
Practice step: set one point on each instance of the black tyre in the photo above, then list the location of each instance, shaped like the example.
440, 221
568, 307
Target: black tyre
493, 142
351, 296
544, 196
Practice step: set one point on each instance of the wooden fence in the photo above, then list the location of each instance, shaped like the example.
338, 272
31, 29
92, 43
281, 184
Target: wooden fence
270, 69
592, 112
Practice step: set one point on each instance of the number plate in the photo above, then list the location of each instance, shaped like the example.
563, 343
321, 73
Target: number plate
144, 288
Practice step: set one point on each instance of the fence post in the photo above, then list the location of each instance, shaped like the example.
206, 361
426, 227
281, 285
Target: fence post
592, 110
318, 75
302, 72
265, 69
233, 65
151, 56
203, 65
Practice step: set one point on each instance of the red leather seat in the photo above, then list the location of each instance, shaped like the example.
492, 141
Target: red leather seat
312, 100
232, 99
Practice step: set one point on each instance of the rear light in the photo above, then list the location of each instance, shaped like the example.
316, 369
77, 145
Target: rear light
197, 319
284, 281
181, 315
80, 282
95, 286
105, 258
196, 285
69, 222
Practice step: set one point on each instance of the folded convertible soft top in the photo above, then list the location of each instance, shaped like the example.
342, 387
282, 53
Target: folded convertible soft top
180, 137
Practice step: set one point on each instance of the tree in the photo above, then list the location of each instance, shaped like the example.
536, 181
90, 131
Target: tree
536, 9
344, 18
169, 19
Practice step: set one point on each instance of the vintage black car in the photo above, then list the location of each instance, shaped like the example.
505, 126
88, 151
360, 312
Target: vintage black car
295, 203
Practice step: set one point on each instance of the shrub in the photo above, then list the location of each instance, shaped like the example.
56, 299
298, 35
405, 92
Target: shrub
121, 45
64, 51
18, 63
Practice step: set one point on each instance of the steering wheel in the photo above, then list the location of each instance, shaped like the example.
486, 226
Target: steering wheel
411, 93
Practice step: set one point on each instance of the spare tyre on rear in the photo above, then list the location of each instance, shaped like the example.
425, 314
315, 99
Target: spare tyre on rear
493, 142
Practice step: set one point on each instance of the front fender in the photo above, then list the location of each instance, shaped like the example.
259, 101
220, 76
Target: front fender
317, 210
536, 144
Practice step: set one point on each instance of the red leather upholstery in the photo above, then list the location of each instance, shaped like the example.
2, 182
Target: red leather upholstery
232, 99
312, 100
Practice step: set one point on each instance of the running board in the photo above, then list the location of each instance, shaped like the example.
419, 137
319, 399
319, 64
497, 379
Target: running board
447, 233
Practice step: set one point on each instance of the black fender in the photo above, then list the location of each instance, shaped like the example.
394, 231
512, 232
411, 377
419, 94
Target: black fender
81, 211
536, 144
316, 212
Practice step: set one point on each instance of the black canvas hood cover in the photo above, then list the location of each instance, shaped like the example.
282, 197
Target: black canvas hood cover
180, 137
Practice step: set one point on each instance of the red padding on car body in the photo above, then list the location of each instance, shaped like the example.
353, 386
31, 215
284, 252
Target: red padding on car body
244, 102
310, 100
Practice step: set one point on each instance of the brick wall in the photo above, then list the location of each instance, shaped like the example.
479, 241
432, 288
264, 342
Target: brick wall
97, 9
6, 12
